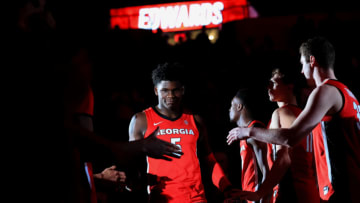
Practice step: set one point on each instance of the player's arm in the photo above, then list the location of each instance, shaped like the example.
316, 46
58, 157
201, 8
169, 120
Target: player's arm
218, 176
137, 127
260, 150
323, 100
281, 118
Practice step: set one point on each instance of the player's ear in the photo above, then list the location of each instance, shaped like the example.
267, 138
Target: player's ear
239, 107
312, 61
183, 89
156, 90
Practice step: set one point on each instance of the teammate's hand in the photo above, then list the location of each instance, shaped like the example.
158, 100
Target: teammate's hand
236, 134
113, 175
160, 149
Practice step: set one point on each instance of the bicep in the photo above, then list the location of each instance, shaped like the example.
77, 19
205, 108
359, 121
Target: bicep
137, 127
321, 101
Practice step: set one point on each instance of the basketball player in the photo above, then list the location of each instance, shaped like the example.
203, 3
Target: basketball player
332, 113
293, 167
179, 180
254, 166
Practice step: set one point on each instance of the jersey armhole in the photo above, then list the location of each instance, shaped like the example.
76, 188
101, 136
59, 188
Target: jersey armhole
342, 97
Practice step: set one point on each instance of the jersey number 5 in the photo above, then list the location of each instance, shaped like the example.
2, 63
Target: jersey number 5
176, 140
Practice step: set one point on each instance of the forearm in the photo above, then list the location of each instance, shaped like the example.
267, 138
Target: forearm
276, 173
90, 143
218, 177
273, 136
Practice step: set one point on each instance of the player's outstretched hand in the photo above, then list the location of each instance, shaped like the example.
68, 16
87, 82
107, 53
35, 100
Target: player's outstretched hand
236, 134
160, 149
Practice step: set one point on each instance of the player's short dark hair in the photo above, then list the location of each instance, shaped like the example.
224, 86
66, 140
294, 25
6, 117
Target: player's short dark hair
168, 71
248, 98
321, 49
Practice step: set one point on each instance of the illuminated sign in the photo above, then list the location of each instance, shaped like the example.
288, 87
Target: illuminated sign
179, 16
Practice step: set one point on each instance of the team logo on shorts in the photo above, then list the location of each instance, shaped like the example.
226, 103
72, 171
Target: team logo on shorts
326, 190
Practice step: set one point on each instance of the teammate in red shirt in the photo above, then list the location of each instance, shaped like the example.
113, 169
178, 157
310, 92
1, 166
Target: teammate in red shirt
332, 167
180, 179
330, 99
254, 167
292, 168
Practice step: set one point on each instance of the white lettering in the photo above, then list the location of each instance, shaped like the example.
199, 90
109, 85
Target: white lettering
183, 17
177, 16
217, 18
195, 14
144, 20
176, 131
168, 131
208, 13
191, 132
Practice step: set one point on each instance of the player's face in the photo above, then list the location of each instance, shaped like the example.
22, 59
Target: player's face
169, 93
234, 113
277, 90
306, 70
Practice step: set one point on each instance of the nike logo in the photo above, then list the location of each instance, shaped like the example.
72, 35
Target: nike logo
157, 123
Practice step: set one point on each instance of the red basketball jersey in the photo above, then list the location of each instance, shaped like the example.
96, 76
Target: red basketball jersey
302, 167
249, 166
179, 180
337, 149
300, 180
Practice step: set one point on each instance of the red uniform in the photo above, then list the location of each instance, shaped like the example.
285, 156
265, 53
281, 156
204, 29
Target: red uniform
270, 161
249, 167
299, 182
337, 150
86, 106
180, 179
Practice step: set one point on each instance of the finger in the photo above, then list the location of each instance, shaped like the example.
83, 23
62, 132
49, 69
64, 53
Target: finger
229, 141
113, 167
171, 146
175, 154
165, 158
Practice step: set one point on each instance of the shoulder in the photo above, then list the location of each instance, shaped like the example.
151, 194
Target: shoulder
138, 126
278, 115
139, 116
138, 119
326, 95
284, 111
325, 91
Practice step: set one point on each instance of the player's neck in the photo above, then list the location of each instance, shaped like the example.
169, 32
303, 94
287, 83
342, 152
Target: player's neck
170, 113
244, 121
320, 75
291, 100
